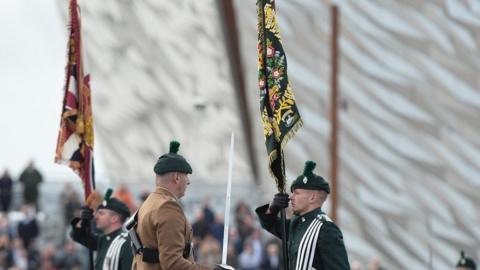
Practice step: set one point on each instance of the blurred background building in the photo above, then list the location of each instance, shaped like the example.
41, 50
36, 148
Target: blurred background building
409, 110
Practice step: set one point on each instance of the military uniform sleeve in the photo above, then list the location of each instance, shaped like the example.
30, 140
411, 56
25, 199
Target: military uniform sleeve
126, 257
170, 226
334, 255
81, 236
270, 222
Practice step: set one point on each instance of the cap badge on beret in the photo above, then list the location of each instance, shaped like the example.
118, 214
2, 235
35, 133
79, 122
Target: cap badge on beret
114, 204
309, 180
466, 262
106, 198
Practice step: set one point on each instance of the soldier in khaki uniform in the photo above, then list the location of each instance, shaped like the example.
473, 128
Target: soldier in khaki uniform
162, 228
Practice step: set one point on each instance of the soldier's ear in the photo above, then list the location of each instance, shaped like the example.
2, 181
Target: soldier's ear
175, 177
116, 217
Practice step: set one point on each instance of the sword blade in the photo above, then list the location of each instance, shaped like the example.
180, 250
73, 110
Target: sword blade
227, 202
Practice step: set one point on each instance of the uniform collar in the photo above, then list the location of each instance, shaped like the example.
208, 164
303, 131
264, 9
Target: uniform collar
164, 191
312, 214
113, 234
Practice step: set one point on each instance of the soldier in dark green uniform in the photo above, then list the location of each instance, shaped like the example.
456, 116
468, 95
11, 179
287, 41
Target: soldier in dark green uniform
313, 240
112, 245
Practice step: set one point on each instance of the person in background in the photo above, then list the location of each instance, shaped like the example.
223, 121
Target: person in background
210, 251
6, 253
251, 256
244, 222
28, 228
375, 264
123, 194
6, 184
31, 179
68, 258
71, 205
356, 265
272, 259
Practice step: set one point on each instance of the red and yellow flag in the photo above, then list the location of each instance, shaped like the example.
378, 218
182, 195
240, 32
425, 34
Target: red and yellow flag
75, 137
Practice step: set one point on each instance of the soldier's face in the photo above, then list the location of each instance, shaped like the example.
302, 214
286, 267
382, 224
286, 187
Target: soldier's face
299, 199
183, 182
103, 218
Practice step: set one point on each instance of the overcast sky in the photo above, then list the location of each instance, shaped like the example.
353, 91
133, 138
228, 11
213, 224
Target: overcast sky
33, 45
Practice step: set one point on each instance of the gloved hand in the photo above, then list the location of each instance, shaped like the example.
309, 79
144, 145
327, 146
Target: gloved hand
280, 201
223, 267
86, 217
87, 213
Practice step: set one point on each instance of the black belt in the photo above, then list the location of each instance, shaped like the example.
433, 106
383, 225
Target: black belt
150, 255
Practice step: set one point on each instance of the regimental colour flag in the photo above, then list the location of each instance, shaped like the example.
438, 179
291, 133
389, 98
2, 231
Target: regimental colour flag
279, 112
75, 137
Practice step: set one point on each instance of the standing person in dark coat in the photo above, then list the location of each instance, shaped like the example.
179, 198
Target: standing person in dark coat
6, 184
313, 240
273, 257
31, 179
28, 228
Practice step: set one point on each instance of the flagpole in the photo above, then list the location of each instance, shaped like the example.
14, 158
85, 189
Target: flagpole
281, 182
283, 219
227, 201
76, 27
334, 114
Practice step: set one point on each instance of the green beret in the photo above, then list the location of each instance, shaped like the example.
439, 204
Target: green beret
466, 262
172, 162
309, 180
114, 204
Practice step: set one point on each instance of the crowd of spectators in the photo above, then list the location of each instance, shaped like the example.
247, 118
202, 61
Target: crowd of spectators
20, 229
247, 250
22, 246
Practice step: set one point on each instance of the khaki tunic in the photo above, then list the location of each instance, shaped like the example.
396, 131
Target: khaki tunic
162, 225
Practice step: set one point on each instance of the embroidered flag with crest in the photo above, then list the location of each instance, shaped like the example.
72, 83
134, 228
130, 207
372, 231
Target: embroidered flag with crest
279, 112
75, 137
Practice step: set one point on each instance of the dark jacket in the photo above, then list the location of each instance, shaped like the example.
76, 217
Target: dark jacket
114, 258
330, 253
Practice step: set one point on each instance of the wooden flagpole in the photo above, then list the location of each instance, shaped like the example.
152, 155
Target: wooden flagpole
334, 113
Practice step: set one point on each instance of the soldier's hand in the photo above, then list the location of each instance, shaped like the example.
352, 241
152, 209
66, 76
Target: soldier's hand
280, 201
87, 213
223, 267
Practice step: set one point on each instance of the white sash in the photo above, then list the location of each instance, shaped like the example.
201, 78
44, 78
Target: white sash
306, 250
110, 262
